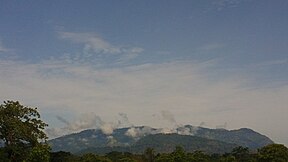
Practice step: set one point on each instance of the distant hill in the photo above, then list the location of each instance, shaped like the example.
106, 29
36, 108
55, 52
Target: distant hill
243, 137
166, 143
136, 139
90, 138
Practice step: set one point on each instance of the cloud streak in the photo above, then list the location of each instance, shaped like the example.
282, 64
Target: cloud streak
91, 42
94, 45
222, 4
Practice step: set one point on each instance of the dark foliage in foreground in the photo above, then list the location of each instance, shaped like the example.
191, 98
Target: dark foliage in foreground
269, 153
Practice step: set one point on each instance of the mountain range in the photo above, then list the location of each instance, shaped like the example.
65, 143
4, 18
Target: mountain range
137, 139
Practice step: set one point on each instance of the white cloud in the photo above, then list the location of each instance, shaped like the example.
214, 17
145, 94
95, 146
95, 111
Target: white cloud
95, 45
189, 90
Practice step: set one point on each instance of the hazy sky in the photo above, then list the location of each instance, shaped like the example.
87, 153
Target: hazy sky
214, 62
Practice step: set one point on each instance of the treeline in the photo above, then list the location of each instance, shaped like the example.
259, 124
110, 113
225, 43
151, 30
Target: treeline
269, 153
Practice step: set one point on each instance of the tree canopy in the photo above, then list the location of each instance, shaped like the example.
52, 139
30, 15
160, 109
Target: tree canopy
22, 132
273, 153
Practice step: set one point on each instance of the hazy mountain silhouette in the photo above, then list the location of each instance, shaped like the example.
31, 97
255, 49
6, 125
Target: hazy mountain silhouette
137, 139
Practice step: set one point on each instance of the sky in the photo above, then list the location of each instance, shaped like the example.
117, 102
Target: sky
164, 63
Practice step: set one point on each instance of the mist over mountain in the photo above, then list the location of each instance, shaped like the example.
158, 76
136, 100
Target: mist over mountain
136, 139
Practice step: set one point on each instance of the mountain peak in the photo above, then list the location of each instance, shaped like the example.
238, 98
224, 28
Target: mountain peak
132, 136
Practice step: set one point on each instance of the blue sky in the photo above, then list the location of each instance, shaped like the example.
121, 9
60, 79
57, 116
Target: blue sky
218, 62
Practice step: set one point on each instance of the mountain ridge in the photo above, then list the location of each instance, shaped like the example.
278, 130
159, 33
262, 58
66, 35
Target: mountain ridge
129, 139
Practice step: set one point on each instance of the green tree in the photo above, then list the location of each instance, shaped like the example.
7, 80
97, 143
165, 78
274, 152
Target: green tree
179, 154
149, 154
114, 155
164, 157
228, 158
21, 130
89, 157
273, 153
241, 154
62, 156
39, 153
198, 156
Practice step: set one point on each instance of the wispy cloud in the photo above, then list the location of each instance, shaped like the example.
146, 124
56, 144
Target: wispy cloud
91, 42
189, 90
94, 45
88, 121
269, 63
212, 46
3, 48
222, 4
